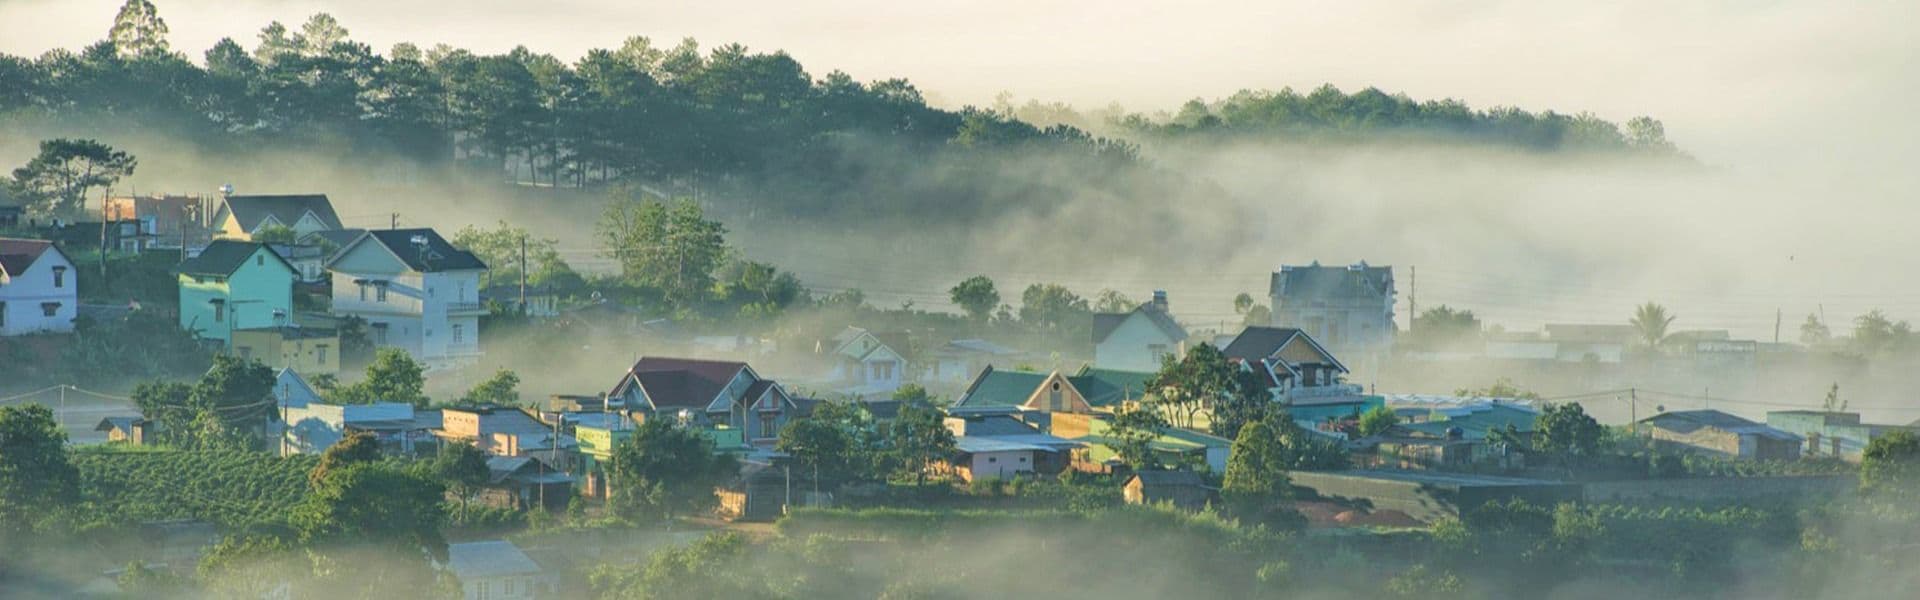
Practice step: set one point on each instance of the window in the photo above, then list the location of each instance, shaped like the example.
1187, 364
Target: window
380, 292
50, 308
992, 459
883, 371
3, 314
363, 292
246, 352
379, 334
219, 311
320, 352
1156, 350
59, 277
259, 260
456, 333
1023, 459
767, 426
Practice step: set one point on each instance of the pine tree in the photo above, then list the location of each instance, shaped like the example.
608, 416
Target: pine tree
138, 30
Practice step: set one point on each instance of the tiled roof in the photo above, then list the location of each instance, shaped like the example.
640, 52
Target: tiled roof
679, 382
1335, 282
18, 254
1255, 343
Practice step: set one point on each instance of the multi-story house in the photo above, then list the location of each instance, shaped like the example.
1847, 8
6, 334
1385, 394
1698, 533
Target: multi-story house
1300, 373
864, 364
239, 217
416, 291
38, 290
234, 285
706, 393
1349, 309
1137, 340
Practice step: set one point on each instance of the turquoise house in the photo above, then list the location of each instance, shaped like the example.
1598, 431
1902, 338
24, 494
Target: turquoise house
235, 285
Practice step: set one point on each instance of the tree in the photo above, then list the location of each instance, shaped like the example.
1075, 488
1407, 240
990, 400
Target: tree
1242, 303
1651, 321
1565, 430
1252, 314
976, 295
1891, 464
1052, 306
673, 248
57, 179
138, 30
1501, 388
352, 449
372, 504
1377, 421
501, 247
1256, 465
1814, 332
1877, 335
393, 376
275, 234
36, 472
1199, 382
1833, 403
664, 469
1249, 401
462, 468
827, 451
499, 390
1442, 327
1134, 431
916, 438
912, 394
1111, 301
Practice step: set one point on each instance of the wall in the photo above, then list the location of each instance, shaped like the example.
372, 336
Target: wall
25, 293
1001, 465
1126, 347
1721, 488
1429, 502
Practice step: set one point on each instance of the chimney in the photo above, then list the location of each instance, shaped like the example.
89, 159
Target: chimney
1160, 300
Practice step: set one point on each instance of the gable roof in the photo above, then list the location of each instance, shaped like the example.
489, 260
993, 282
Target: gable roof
338, 237
292, 389
421, 249
1107, 387
250, 211
1257, 344
1104, 324
17, 254
679, 382
1358, 281
1002, 388
222, 257
1688, 421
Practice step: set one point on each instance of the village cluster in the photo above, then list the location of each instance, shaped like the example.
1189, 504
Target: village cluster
1415, 457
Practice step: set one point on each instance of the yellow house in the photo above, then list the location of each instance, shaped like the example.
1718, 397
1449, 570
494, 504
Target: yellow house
303, 349
239, 217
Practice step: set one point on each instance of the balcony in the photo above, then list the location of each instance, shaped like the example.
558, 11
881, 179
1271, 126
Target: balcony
466, 308
1326, 391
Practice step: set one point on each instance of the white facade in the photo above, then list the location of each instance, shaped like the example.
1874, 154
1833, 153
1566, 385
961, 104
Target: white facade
43, 297
434, 316
1136, 345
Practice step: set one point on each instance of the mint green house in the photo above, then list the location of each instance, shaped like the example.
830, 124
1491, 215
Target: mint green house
235, 285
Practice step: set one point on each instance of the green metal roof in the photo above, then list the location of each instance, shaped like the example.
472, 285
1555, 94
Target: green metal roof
1108, 387
1477, 424
996, 387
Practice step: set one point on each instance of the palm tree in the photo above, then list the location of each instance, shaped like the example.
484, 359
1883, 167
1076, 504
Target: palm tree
1652, 321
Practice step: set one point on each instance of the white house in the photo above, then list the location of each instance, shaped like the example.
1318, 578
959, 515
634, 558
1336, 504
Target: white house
1349, 309
496, 570
416, 291
1137, 340
864, 364
39, 291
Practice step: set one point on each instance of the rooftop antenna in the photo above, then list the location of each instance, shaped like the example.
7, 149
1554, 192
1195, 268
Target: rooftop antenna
226, 189
420, 244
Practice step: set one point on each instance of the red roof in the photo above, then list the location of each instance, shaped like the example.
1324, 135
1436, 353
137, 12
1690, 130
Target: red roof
679, 381
18, 254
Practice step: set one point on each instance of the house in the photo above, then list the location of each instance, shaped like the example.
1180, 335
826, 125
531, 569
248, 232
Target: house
987, 458
1564, 342
761, 493
11, 216
709, 394
239, 217
1182, 489
863, 363
1090, 390
1302, 375
521, 482
1350, 309
496, 570
131, 430
1138, 340
1836, 434
1054, 453
290, 389
541, 301
233, 285
309, 262
312, 427
39, 288
499, 430
305, 349
416, 291
1434, 417
329, 240
1715, 432
172, 220
961, 360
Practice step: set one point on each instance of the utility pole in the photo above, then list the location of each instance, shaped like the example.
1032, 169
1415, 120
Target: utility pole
1633, 409
1413, 297
1776, 325
523, 271
103, 233
393, 221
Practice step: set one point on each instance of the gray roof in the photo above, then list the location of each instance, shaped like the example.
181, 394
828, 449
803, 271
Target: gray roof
287, 209
222, 257
494, 558
1105, 323
1255, 343
338, 237
1688, 421
432, 255
1358, 281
